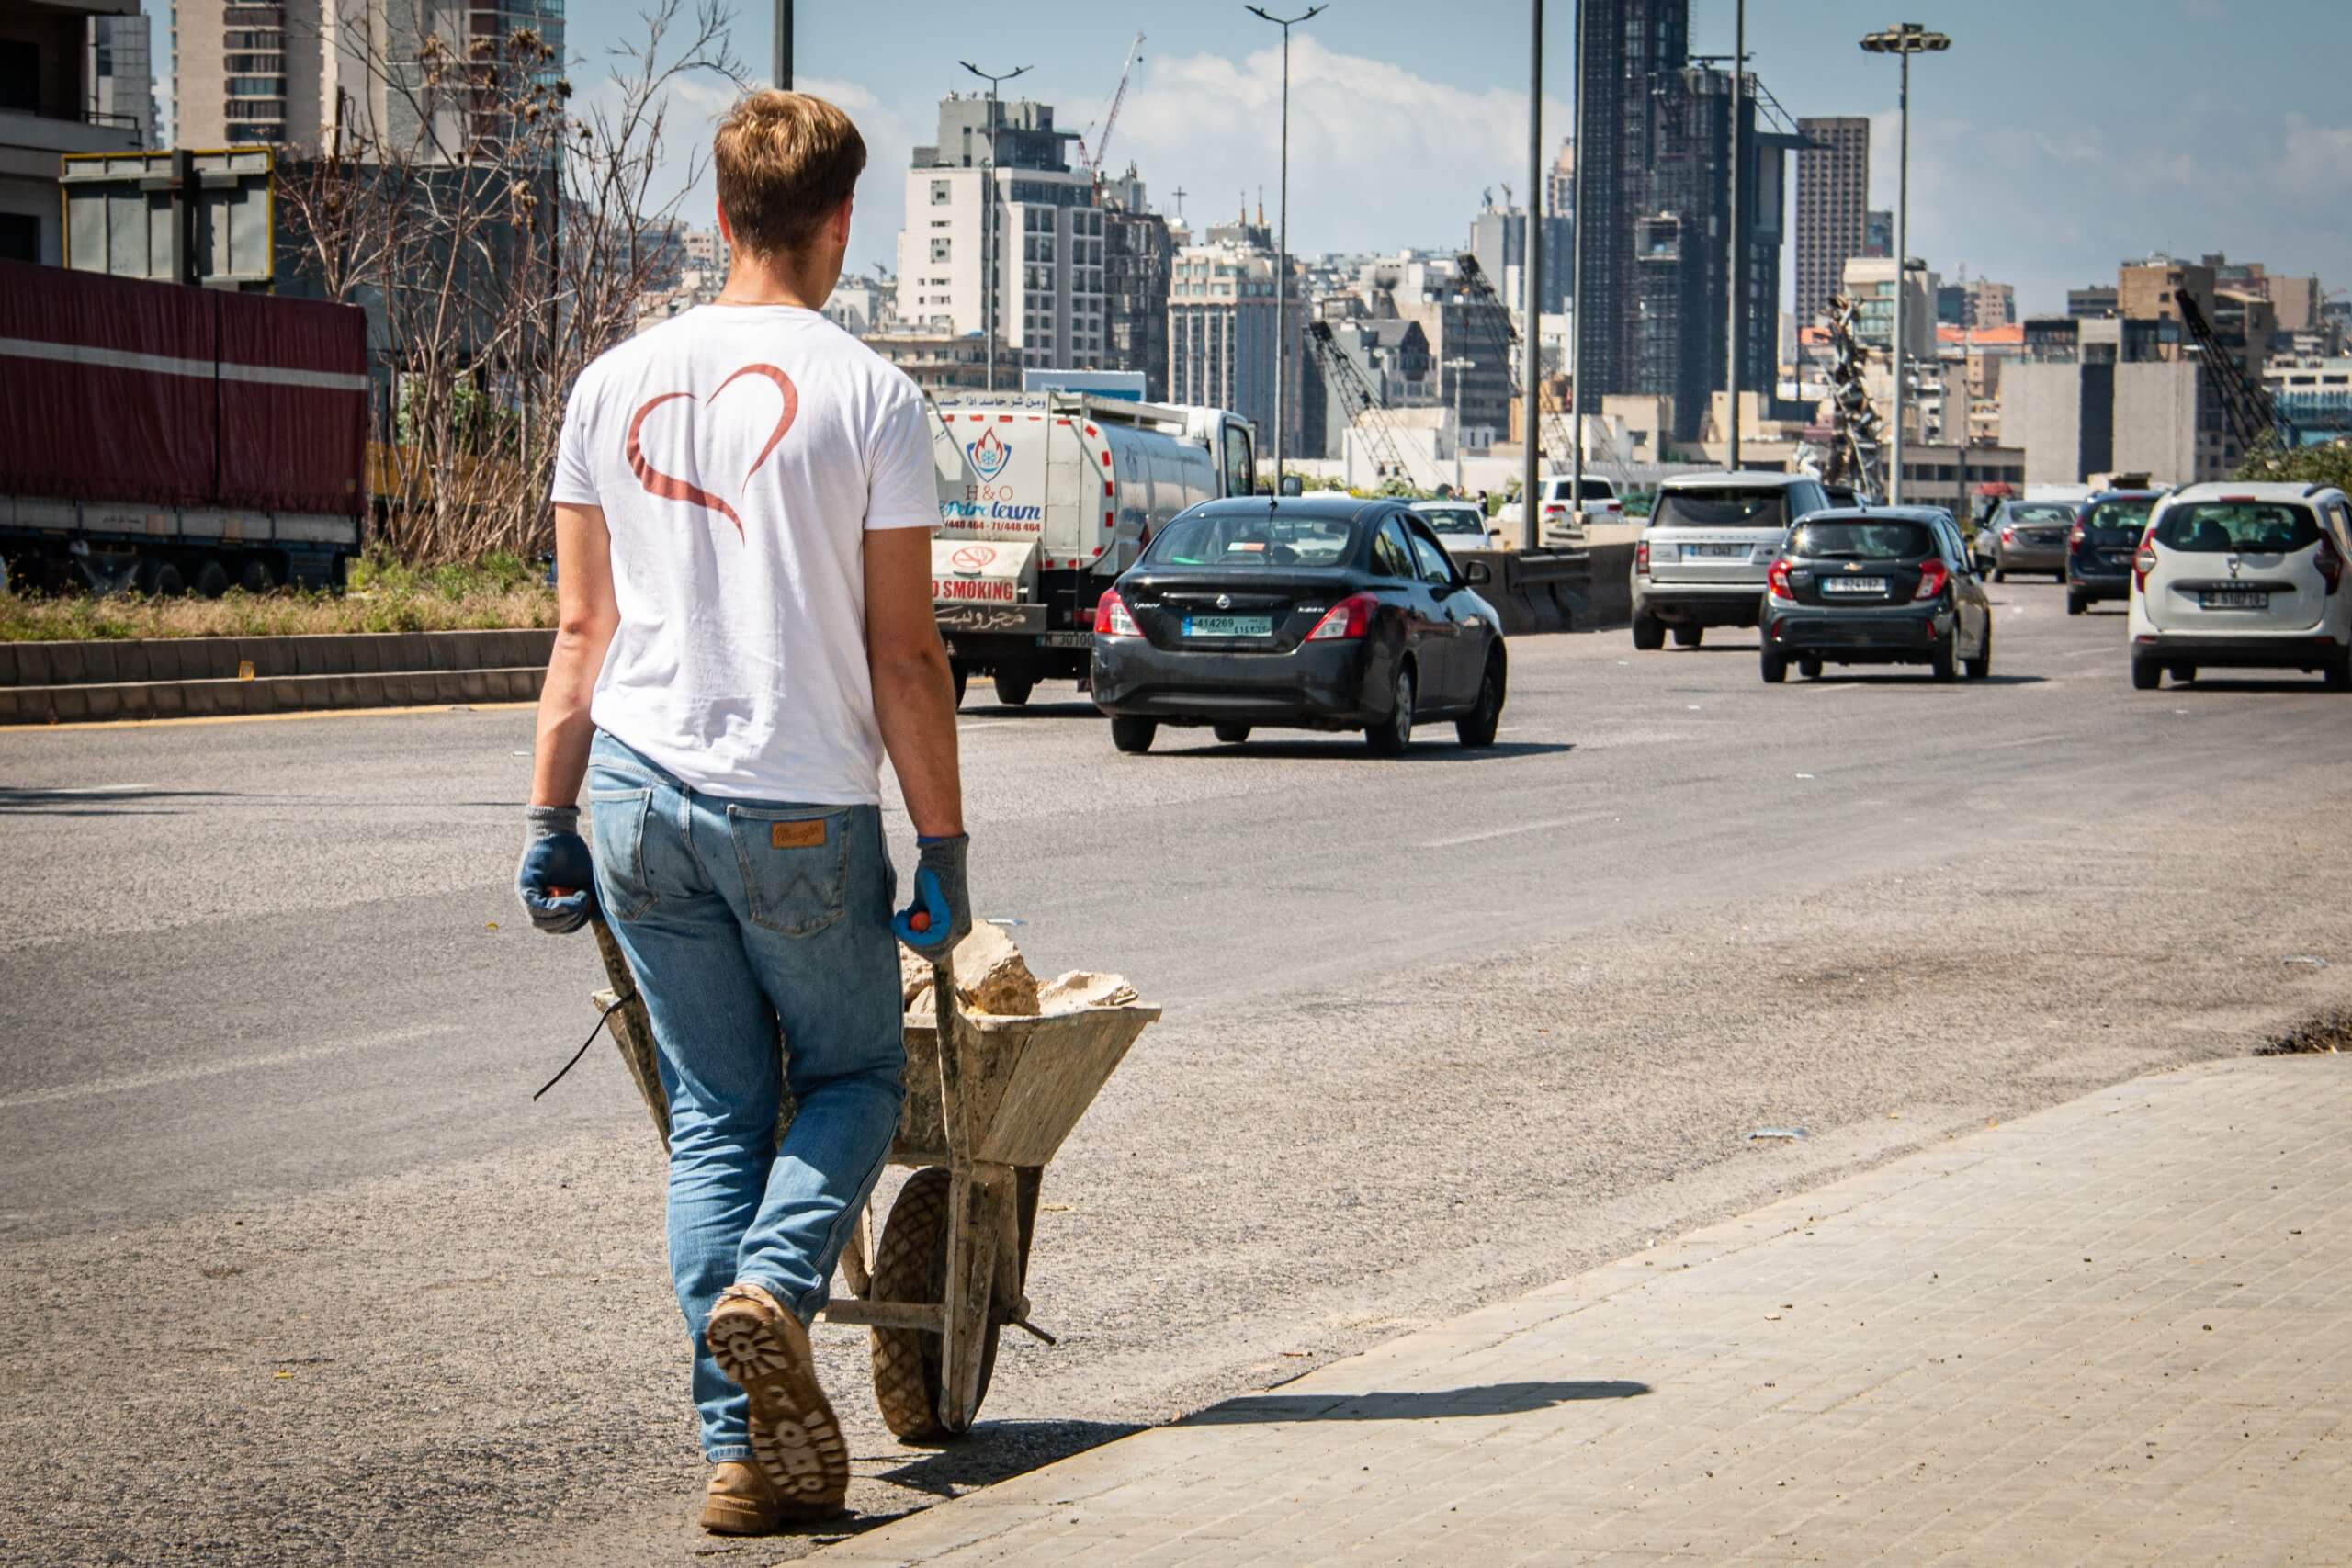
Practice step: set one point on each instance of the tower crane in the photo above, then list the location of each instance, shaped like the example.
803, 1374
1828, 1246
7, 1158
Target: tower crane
2245, 404
1090, 158
1494, 320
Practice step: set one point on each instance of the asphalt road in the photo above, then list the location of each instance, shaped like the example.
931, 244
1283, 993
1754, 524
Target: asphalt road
295, 1270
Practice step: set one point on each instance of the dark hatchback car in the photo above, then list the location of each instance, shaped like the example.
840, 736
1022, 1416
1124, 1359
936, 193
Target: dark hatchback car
1884, 586
1310, 614
2101, 546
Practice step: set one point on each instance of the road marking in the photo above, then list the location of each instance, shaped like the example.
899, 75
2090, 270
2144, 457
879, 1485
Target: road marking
1831, 686
134, 1082
987, 724
79, 727
1501, 833
88, 789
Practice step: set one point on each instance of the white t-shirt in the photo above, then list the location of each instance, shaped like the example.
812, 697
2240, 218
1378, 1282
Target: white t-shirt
741, 454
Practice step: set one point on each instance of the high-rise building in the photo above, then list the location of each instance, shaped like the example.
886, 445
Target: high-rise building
304, 73
998, 226
1223, 326
1560, 183
1138, 254
121, 75
1499, 239
1658, 246
2099, 299
1833, 206
1878, 232
46, 93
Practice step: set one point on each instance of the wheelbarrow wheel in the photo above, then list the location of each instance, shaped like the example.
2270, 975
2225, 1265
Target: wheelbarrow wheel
911, 1265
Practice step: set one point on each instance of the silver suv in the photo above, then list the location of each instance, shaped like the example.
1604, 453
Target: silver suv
1710, 539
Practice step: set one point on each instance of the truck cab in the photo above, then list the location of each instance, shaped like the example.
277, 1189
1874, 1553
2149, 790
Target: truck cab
1044, 498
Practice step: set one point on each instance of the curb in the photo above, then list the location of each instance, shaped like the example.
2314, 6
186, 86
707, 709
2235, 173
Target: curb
275, 693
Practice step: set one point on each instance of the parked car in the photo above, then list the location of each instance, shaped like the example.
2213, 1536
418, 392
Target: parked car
1886, 586
2244, 576
1701, 562
1317, 613
1458, 525
2029, 535
2099, 547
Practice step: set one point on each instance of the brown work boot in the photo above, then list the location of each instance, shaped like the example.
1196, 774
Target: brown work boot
739, 1501
795, 1439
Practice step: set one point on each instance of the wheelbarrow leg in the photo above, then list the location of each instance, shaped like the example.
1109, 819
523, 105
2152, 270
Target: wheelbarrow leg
980, 1208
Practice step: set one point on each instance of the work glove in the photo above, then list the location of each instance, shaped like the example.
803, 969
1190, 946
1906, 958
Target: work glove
557, 881
941, 914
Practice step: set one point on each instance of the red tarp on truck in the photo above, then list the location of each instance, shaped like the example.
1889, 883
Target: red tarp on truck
119, 389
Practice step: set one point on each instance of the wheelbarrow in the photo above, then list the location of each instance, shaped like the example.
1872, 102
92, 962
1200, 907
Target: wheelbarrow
982, 1118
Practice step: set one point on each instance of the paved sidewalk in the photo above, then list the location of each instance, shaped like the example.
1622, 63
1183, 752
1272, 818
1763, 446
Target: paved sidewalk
2119, 1331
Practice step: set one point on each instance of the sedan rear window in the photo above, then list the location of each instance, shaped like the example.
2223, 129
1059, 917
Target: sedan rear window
2109, 522
1254, 539
1722, 509
2062, 516
1889, 538
2226, 527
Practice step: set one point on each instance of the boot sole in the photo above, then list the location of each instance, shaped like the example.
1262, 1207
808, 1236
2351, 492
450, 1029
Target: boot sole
795, 1439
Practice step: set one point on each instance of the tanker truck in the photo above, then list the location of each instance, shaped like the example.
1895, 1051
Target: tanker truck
1044, 498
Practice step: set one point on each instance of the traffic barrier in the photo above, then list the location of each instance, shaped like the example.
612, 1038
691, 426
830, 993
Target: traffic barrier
53, 682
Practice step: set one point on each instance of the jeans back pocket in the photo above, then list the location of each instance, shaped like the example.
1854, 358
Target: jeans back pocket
795, 864
616, 841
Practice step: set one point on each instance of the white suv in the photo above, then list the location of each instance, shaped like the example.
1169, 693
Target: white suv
2244, 576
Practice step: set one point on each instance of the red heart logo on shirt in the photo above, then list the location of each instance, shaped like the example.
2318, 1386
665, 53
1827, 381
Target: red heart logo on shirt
658, 483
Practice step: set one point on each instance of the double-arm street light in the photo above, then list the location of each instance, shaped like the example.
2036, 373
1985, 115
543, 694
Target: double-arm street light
987, 212
1281, 270
1458, 367
1903, 41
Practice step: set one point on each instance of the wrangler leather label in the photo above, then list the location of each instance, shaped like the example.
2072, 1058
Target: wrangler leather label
796, 835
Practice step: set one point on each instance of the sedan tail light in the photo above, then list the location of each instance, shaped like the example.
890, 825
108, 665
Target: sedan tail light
1351, 618
1778, 576
1642, 559
1932, 578
2330, 562
1111, 617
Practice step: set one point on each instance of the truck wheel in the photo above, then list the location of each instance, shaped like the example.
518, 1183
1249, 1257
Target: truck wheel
1014, 690
911, 1265
211, 579
254, 576
1131, 733
159, 579
1232, 734
963, 678
1688, 636
1649, 633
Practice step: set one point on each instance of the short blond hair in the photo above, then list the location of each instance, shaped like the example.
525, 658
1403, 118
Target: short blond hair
785, 162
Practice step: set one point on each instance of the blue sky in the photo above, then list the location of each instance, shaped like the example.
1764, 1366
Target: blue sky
2056, 137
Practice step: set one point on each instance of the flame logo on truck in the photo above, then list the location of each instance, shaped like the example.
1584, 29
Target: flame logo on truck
988, 456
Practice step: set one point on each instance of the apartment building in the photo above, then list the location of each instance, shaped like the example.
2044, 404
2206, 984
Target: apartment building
1833, 205
46, 109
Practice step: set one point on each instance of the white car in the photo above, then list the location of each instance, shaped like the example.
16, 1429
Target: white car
1602, 503
2244, 576
1458, 525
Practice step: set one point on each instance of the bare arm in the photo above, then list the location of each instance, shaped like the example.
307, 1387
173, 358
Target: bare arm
586, 618
914, 697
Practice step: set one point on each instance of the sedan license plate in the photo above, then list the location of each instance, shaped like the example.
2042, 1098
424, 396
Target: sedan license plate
2226, 599
1228, 626
1853, 585
1718, 552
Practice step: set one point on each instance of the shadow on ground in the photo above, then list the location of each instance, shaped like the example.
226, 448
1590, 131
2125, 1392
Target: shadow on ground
1483, 1399
998, 1450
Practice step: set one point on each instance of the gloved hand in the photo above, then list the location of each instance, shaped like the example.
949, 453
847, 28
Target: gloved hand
941, 914
557, 881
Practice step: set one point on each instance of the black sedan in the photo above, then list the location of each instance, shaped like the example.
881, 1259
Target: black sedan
1298, 614
2102, 544
1883, 586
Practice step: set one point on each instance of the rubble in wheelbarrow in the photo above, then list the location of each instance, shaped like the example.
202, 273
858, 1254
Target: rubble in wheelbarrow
993, 980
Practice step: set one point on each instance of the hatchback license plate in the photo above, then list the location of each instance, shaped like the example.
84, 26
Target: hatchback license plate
2237, 600
1853, 585
1228, 626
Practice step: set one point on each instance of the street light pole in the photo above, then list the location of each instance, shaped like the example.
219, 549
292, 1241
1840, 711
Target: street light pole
1576, 289
784, 45
1905, 41
1531, 380
1458, 367
1738, 246
1282, 267
988, 213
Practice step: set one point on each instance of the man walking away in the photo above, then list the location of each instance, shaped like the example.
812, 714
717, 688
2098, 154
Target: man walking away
743, 504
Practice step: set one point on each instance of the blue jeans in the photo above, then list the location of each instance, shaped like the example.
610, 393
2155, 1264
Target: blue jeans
740, 917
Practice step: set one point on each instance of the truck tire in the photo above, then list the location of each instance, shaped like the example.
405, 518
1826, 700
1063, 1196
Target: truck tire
211, 579
1012, 690
158, 579
254, 576
1649, 633
1134, 735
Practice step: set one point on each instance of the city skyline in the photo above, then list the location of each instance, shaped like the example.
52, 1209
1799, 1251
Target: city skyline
2046, 147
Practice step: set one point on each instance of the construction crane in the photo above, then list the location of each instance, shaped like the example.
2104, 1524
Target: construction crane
1494, 321
1855, 427
1365, 410
1090, 160
2248, 407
